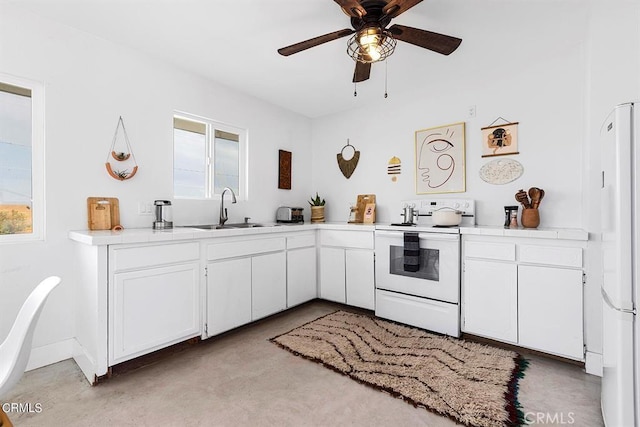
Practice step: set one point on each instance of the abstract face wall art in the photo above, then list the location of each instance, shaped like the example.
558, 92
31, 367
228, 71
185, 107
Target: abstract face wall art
440, 159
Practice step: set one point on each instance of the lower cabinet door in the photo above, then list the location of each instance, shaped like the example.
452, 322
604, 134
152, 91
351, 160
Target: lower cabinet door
550, 310
332, 274
301, 276
153, 308
490, 299
268, 284
228, 295
360, 278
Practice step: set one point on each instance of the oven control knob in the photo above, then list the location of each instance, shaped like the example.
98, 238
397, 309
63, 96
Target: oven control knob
456, 205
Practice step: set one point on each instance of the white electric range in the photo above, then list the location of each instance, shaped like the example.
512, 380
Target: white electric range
427, 293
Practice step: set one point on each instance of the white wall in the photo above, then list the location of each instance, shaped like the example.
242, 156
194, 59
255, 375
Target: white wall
538, 81
89, 83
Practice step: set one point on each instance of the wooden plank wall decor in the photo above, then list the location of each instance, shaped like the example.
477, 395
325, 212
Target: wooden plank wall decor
284, 169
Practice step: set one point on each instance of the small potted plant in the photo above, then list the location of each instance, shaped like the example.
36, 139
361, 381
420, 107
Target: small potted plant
317, 209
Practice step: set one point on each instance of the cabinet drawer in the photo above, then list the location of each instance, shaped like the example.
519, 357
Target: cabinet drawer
551, 255
301, 241
126, 258
244, 248
487, 250
347, 239
420, 312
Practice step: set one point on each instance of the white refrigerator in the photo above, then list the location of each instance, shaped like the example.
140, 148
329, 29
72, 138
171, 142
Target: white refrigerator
620, 207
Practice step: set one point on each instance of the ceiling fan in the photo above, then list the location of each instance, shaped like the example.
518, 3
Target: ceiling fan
372, 41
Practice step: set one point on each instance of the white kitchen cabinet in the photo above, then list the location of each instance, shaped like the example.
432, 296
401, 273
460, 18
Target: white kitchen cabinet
301, 275
302, 284
550, 309
347, 267
491, 299
525, 291
154, 308
228, 295
154, 298
268, 284
360, 289
332, 274
246, 281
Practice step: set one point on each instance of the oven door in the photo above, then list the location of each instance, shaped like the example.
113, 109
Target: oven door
438, 276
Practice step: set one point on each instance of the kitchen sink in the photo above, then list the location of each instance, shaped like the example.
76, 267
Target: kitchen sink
230, 226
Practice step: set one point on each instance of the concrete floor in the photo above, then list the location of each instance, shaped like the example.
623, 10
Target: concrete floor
242, 379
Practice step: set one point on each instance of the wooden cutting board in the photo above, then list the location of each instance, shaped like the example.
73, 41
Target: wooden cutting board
103, 213
363, 200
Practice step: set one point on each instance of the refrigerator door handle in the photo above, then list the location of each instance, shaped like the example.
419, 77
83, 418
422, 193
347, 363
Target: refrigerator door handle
606, 299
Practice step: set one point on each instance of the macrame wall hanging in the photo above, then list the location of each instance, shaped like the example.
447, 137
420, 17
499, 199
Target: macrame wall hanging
347, 166
121, 152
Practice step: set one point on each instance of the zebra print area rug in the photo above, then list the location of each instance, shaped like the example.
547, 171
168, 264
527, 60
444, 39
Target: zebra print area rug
471, 383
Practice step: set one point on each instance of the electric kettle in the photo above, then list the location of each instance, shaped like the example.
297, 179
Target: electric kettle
164, 216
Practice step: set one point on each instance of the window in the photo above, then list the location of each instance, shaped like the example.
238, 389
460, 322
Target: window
21, 159
207, 157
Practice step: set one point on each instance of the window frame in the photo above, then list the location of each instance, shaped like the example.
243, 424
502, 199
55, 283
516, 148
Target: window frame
211, 126
37, 160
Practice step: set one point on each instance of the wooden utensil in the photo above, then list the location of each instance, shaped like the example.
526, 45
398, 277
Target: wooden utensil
541, 197
522, 197
536, 194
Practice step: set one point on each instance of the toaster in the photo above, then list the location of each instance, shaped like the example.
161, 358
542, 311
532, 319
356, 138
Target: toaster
289, 214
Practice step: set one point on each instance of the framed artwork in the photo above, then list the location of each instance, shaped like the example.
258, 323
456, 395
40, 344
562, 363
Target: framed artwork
500, 140
284, 169
440, 159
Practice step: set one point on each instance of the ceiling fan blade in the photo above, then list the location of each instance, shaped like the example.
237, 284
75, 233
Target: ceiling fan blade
396, 7
352, 8
433, 41
362, 71
299, 47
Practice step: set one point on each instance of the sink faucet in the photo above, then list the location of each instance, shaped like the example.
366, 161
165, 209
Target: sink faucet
223, 210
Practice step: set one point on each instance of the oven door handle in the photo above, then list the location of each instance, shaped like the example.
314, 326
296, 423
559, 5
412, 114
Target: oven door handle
429, 236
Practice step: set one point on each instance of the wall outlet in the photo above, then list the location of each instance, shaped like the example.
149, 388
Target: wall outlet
471, 111
145, 208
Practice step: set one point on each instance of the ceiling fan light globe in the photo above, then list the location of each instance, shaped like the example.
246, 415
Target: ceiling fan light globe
374, 52
371, 44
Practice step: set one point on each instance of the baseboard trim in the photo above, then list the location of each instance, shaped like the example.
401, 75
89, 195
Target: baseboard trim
593, 363
86, 364
49, 354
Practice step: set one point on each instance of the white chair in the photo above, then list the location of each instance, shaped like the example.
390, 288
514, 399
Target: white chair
16, 348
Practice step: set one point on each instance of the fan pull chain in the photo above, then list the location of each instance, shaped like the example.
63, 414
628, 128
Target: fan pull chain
386, 71
355, 89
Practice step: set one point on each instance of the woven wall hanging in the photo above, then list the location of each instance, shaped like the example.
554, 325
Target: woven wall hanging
347, 166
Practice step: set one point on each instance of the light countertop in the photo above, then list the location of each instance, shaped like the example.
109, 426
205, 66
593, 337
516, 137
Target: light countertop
148, 235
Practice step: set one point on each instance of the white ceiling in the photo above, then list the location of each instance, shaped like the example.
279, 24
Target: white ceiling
234, 42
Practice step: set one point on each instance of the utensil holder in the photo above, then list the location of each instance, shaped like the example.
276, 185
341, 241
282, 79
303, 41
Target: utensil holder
530, 218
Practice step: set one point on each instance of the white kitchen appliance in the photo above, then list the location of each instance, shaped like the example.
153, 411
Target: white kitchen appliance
428, 298
620, 207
